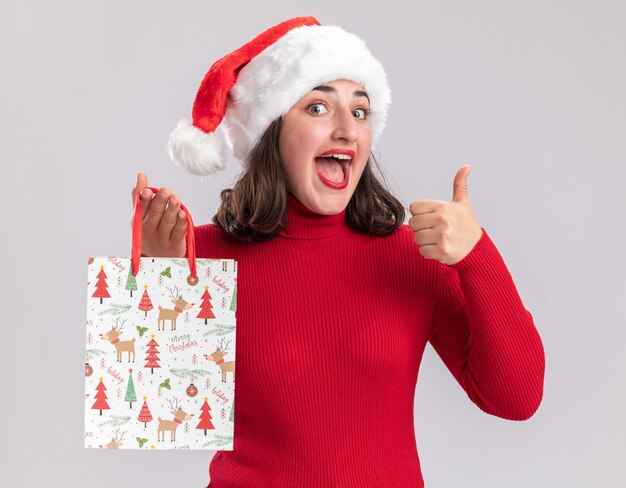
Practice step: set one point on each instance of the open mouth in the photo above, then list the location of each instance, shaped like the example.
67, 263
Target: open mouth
333, 168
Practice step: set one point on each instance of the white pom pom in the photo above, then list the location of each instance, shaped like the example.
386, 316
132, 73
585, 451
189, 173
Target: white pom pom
198, 152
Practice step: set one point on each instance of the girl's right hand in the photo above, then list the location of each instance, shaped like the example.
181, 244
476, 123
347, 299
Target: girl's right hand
164, 224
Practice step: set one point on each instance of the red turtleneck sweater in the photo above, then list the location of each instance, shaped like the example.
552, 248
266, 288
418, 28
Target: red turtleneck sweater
331, 328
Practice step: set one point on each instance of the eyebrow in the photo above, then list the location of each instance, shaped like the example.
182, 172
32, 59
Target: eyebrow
330, 89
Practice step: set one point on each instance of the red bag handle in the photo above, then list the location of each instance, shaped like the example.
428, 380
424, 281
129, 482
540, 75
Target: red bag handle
136, 238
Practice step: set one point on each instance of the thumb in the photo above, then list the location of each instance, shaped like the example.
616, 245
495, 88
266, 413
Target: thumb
459, 192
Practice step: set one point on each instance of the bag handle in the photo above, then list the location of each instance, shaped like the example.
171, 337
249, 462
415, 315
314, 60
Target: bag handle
136, 237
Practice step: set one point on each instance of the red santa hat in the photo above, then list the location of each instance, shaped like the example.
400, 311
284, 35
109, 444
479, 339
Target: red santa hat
246, 90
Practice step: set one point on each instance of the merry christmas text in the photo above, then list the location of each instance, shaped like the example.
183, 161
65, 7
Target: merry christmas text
181, 343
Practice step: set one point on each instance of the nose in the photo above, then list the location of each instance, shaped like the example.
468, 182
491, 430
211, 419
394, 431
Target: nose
345, 126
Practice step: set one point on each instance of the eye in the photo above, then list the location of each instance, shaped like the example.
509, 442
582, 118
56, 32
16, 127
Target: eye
361, 113
317, 109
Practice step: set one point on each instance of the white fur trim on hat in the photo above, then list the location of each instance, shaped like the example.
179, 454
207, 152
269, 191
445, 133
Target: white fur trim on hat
198, 152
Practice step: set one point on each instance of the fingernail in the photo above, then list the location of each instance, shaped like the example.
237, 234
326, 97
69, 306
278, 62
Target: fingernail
174, 200
145, 193
181, 214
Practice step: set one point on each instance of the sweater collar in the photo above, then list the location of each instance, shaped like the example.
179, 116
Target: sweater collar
304, 223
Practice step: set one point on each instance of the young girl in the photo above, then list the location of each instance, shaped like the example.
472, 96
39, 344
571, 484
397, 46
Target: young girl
337, 297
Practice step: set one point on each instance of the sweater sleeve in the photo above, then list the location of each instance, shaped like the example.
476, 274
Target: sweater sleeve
485, 336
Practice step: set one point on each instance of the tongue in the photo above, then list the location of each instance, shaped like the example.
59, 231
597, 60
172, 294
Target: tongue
330, 169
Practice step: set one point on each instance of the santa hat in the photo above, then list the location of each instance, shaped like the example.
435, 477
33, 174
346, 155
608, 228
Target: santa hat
246, 90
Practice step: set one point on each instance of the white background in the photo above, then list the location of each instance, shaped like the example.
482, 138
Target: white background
530, 93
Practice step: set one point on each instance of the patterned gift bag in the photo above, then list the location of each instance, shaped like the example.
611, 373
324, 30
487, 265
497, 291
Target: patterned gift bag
160, 343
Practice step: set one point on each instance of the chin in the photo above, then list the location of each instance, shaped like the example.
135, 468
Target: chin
331, 205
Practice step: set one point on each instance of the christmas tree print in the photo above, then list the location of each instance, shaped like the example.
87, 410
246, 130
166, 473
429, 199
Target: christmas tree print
145, 304
145, 416
205, 306
233, 303
152, 358
101, 286
205, 417
131, 282
101, 398
232, 413
130, 389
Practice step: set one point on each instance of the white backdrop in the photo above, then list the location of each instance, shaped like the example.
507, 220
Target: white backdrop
530, 93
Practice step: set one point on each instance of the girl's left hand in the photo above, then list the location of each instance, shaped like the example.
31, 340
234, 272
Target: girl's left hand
446, 231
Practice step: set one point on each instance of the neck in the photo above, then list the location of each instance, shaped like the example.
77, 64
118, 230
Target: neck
304, 223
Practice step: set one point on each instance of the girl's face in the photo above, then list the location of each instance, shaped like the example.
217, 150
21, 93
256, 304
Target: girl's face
324, 144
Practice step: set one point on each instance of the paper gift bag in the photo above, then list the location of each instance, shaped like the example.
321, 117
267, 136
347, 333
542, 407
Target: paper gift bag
160, 343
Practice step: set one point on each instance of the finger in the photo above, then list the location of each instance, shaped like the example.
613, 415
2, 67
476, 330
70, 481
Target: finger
156, 209
142, 182
431, 251
427, 237
144, 200
459, 191
146, 194
425, 206
423, 221
170, 216
180, 229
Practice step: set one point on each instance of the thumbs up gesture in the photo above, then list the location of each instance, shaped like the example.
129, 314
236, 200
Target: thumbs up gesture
446, 231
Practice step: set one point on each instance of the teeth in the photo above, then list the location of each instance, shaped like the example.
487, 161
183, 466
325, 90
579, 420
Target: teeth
337, 156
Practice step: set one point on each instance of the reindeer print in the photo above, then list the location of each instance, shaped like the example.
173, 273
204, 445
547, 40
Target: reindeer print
217, 356
168, 314
120, 346
116, 441
180, 416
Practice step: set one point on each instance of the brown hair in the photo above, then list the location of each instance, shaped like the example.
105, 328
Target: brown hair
256, 208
